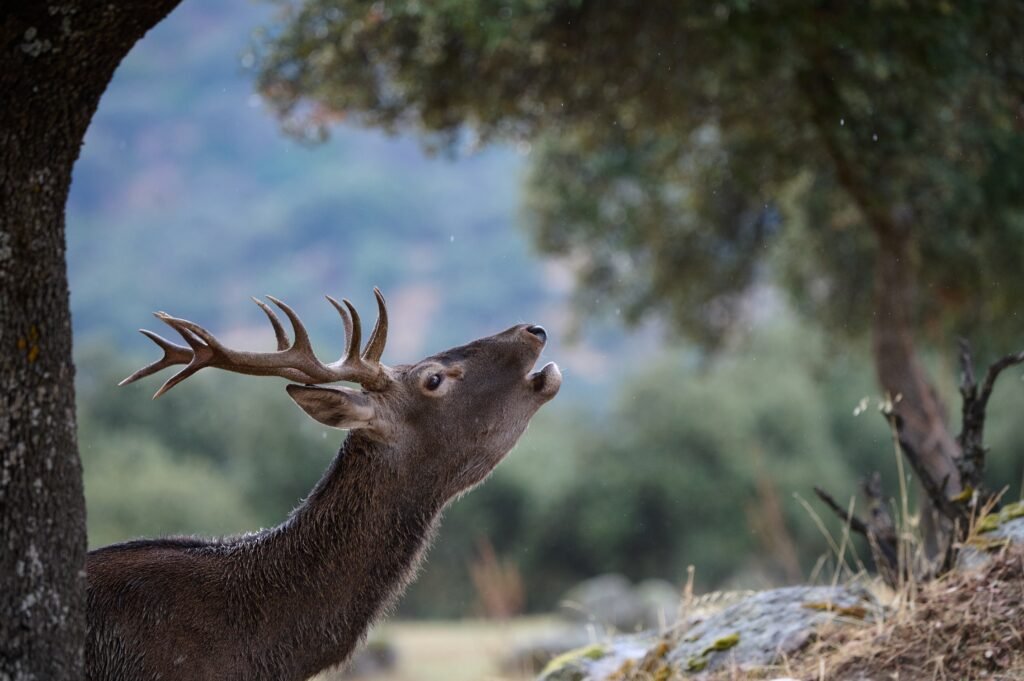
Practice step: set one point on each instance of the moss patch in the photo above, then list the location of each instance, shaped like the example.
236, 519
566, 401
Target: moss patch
700, 662
696, 664
591, 652
853, 611
986, 544
723, 643
1006, 513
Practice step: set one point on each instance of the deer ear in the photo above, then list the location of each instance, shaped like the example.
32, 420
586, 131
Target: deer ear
334, 407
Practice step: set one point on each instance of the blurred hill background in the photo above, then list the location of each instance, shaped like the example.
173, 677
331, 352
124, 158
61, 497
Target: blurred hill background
656, 456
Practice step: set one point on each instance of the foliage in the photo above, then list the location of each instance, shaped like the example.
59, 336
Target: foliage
676, 141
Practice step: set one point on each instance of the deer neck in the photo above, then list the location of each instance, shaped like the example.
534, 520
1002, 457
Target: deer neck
346, 553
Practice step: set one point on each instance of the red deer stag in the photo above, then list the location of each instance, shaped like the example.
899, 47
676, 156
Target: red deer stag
285, 603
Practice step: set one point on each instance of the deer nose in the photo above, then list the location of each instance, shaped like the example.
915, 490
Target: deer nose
539, 332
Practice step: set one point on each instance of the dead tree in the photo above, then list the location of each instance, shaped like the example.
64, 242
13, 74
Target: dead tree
956, 511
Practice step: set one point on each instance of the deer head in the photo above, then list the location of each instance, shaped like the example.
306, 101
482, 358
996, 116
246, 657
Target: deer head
470, 403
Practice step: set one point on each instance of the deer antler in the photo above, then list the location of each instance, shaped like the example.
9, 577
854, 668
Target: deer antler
293, 360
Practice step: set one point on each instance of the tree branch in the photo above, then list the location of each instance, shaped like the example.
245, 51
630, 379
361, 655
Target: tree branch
975, 403
855, 523
882, 540
935, 490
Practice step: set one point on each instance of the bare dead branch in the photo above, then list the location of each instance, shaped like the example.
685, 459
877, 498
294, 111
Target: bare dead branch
968, 385
855, 523
993, 372
879, 529
975, 404
883, 542
935, 489
884, 539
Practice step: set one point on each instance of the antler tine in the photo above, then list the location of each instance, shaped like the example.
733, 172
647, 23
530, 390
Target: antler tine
356, 339
173, 354
177, 378
379, 335
301, 336
346, 321
282, 336
205, 347
196, 336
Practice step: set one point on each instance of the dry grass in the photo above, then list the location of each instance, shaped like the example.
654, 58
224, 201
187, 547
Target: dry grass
963, 626
498, 583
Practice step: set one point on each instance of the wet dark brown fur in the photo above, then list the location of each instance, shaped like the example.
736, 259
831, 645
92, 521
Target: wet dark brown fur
285, 603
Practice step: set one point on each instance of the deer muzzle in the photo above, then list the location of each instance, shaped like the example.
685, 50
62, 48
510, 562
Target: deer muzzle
547, 381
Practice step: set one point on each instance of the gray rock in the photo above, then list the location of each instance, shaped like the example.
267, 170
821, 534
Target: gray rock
612, 602
606, 600
756, 631
979, 551
660, 601
598, 661
766, 626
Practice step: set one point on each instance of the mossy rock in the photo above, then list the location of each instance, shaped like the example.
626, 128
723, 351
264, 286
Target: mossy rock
572, 666
758, 630
994, 521
996, 531
598, 661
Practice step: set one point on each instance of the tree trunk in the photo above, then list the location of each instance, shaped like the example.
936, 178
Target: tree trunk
901, 375
925, 419
897, 364
56, 61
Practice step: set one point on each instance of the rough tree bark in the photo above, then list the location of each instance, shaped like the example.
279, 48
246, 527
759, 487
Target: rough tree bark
899, 369
923, 418
55, 62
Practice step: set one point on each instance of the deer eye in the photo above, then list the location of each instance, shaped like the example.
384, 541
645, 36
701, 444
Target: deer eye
433, 382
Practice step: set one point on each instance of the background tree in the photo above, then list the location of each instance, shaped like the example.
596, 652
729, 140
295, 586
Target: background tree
55, 62
676, 142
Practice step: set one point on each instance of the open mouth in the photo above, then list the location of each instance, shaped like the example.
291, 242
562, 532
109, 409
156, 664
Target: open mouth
547, 381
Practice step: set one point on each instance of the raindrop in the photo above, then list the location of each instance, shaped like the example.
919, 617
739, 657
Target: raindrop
842, 121
874, 137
